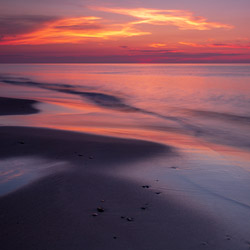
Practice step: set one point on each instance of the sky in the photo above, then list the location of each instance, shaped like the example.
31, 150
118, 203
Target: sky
138, 31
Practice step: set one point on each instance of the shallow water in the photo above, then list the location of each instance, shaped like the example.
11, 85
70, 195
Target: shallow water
202, 111
189, 106
208, 103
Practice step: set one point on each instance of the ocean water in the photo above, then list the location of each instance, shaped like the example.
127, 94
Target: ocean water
191, 107
167, 103
201, 111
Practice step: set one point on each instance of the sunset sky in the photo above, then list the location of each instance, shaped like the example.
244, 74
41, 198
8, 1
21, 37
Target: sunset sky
53, 31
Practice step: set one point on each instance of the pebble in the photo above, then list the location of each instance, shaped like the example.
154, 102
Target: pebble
100, 209
174, 167
95, 214
145, 186
130, 219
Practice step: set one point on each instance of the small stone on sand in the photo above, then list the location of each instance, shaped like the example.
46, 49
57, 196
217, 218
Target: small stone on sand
130, 219
100, 209
95, 214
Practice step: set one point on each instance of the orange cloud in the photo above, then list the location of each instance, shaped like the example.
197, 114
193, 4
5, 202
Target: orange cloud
73, 30
233, 46
217, 45
158, 45
79, 29
184, 20
192, 44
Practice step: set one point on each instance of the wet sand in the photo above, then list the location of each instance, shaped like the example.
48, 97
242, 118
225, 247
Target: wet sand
15, 106
56, 211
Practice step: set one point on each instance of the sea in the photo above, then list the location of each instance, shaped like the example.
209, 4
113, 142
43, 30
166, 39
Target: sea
201, 111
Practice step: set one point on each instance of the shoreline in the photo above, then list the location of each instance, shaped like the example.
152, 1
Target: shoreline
55, 211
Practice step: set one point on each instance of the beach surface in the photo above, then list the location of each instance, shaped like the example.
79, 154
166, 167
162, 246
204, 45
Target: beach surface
60, 210
82, 167
14, 106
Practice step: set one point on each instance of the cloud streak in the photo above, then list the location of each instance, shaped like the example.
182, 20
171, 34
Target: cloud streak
80, 29
132, 56
73, 30
217, 45
184, 20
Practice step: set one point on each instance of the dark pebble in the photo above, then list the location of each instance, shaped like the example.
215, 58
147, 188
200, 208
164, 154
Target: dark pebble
95, 214
145, 186
100, 209
130, 219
